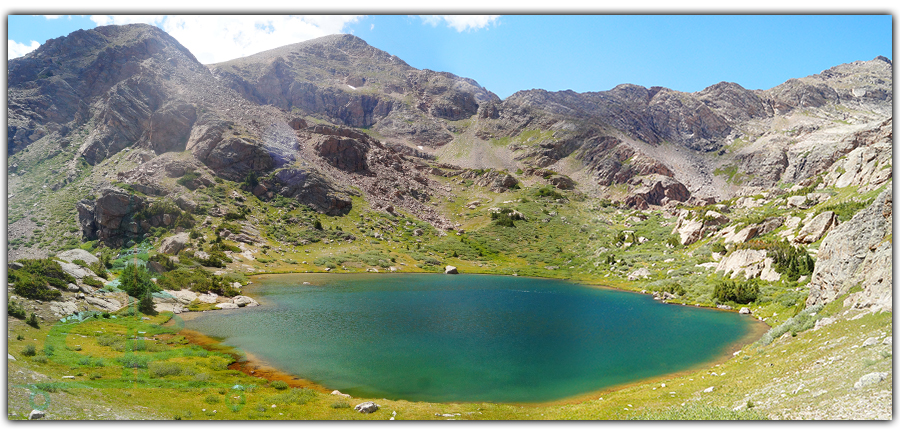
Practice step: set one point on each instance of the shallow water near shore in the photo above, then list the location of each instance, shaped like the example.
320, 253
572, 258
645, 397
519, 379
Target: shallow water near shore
467, 338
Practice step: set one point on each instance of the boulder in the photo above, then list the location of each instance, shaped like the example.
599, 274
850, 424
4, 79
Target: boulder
752, 263
739, 237
174, 244
366, 407
451, 270
640, 273
562, 182
244, 301
184, 296
745, 311
76, 270
36, 414
109, 305
870, 379
168, 307
72, 255
817, 227
208, 298
63, 309
227, 306
186, 204
689, 230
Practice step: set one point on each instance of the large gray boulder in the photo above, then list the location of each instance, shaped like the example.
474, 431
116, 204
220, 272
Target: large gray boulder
366, 407
751, 263
174, 244
109, 305
817, 227
76, 270
244, 301
858, 251
72, 255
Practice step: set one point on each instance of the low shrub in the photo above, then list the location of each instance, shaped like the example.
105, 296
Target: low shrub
160, 369
29, 350
14, 309
298, 396
279, 385
91, 281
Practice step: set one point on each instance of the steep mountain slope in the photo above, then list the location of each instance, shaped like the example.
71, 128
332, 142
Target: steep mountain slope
343, 80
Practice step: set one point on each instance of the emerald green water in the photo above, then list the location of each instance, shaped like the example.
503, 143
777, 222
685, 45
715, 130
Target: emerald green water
467, 338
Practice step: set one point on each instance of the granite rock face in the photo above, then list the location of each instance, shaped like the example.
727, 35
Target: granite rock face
858, 251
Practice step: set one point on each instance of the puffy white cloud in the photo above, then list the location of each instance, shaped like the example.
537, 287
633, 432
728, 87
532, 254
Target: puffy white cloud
215, 39
15, 49
461, 22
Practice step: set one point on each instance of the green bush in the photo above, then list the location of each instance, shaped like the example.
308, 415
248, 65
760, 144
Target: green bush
673, 288
29, 350
279, 385
135, 280
340, 404
91, 281
133, 361
846, 209
186, 179
791, 261
802, 321
33, 321
740, 292
549, 192
14, 309
160, 369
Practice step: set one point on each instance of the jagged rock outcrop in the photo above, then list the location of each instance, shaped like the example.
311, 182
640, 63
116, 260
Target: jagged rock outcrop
494, 180
110, 218
858, 251
345, 149
870, 162
227, 150
657, 190
310, 187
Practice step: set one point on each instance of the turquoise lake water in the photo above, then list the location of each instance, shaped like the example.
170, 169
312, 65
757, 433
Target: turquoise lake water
467, 338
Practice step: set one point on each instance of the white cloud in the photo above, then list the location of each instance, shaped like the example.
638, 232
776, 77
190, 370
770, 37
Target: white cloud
461, 22
52, 17
15, 49
214, 39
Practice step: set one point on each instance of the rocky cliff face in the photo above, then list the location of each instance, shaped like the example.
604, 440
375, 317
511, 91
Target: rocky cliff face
858, 253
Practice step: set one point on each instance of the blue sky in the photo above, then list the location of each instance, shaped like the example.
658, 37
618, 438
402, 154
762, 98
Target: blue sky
508, 53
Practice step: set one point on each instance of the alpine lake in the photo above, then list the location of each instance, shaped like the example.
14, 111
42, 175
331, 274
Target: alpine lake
468, 338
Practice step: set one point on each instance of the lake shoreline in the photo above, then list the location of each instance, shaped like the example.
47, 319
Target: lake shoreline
257, 367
